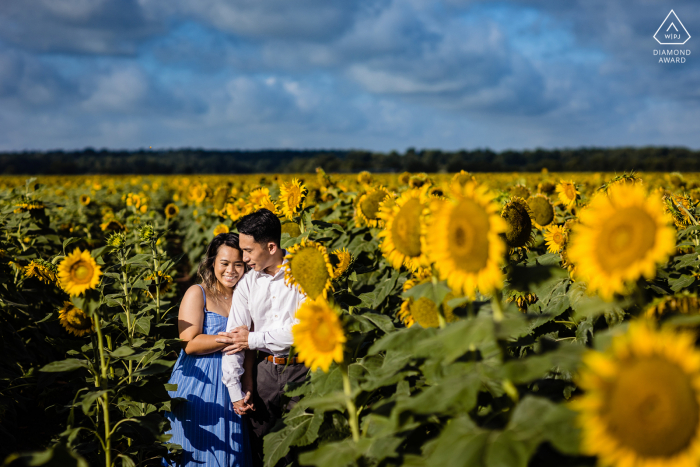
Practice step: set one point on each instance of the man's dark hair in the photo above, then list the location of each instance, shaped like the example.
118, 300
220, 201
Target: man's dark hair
262, 225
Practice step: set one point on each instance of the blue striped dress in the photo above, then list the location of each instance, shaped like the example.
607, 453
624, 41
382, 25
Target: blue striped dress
207, 428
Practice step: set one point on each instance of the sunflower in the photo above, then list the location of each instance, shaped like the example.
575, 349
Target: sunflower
292, 228
462, 177
463, 240
364, 177
684, 302
220, 197
344, 260
78, 272
625, 178
269, 204
309, 267
401, 236
198, 193
519, 233
292, 197
171, 210
367, 207
521, 191
423, 311
641, 402
546, 187
257, 195
45, 271
404, 177
111, 224
165, 280
555, 237
84, 200
568, 194
26, 206
419, 180
522, 299
221, 228
541, 209
621, 236
74, 319
318, 335
680, 208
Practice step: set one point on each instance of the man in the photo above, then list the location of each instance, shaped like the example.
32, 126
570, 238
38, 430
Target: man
262, 314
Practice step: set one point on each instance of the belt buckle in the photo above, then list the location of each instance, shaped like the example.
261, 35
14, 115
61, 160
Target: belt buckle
274, 360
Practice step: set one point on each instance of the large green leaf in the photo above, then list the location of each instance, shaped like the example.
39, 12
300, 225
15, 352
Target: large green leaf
69, 364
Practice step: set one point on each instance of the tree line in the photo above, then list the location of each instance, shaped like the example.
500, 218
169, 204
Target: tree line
200, 161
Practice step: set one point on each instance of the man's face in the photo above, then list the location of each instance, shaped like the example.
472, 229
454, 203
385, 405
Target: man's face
255, 255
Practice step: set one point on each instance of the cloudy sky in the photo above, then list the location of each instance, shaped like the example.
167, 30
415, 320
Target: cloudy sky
366, 74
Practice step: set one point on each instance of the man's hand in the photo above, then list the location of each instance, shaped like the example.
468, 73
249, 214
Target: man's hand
242, 406
237, 338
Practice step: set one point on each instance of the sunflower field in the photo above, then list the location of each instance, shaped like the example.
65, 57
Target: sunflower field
452, 319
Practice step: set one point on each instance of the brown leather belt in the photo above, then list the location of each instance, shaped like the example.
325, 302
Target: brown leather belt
281, 360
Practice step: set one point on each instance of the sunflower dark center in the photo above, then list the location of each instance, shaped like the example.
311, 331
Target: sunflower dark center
310, 271
651, 407
625, 238
405, 228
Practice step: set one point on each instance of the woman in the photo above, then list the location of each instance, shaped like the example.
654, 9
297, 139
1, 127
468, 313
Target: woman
206, 426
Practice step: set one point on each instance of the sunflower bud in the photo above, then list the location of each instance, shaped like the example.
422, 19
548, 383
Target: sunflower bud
147, 233
117, 240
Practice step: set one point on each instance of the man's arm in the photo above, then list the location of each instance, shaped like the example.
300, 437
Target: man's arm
278, 340
232, 365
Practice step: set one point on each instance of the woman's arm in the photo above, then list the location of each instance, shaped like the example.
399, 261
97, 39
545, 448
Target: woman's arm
190, 323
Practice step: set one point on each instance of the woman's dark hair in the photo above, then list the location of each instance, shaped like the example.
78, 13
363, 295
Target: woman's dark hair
262, 225
205, 271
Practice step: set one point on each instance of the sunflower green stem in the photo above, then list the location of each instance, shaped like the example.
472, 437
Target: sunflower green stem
350, 403
105, 396
497, 307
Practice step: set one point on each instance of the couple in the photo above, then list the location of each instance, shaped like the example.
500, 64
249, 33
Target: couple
241, 306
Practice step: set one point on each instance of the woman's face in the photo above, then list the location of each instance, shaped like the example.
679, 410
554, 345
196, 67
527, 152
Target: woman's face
228, 266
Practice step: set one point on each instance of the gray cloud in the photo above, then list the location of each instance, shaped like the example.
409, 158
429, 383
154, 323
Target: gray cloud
379, 74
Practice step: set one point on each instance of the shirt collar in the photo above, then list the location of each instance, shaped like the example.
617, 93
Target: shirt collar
280, 270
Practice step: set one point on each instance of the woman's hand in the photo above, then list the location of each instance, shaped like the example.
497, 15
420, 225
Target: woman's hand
241, 407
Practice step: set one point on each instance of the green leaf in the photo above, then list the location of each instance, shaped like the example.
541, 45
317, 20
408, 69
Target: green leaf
69, 364
382, 322
302, 429
680, 283
435, 291
123, 351
88, 399
506, 450
126, 461
142, 259
461, 443
155, 367
69, 241
537, 419
452, 395
143, 325
337, 454
525, 370
55, 456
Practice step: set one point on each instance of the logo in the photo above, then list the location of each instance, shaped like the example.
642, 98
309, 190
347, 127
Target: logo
671, 31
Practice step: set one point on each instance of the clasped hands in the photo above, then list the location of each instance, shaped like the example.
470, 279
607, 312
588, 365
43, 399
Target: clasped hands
241, 407
237, 339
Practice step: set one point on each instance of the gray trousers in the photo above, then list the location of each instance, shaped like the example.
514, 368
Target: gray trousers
270, 380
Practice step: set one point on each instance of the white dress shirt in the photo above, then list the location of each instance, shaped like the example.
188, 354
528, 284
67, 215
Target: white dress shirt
268, 307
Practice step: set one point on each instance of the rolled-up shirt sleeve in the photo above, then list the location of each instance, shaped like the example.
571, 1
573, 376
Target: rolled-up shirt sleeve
239, 315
